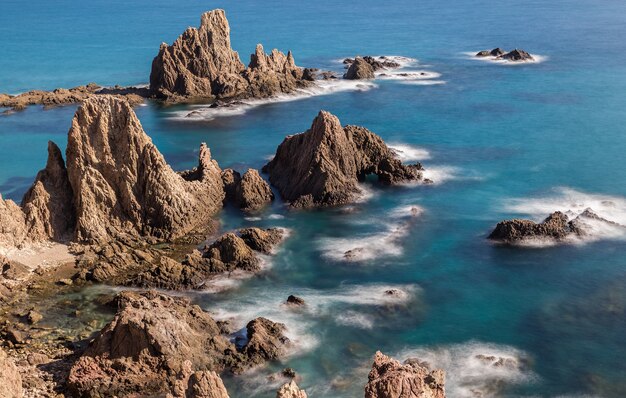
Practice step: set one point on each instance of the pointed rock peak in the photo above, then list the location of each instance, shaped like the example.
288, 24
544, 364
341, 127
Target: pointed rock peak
258, 59
326, 122
214, 18
55, 157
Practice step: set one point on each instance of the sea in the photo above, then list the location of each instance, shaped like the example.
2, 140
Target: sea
499, 140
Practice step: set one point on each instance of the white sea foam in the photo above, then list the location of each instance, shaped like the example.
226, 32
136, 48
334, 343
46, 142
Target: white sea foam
574, 203
442, 174
476, 369
399, 59
320, 87
407, 75
537, 59
356, 319
386, 243
424, 82
408, 153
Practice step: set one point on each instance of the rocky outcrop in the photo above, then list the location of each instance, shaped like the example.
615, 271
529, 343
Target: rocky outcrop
49, 204
122, 184
10, 378
391, 379
359, 69
155, 342
556, 227
266, 341
62, 96
249, 193
290, 390
322, 166
12, 224
199, 384
201, 65
230, 252
496, 52
377, 63
516, 55
295, 300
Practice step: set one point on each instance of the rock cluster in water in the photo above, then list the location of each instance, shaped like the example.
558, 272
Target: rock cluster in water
364, 67
516, 55
201, 65
391, 379
249, 193
323, 166
556, 227
155, 340
62, 96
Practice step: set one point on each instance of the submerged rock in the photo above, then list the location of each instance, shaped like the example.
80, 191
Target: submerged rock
249, 193
295, 300
156, 341
359, 69
201, 64
122, 184
391, 379
10, 378
322, 166
290, 390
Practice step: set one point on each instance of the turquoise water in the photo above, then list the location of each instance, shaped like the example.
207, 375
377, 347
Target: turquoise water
551, 134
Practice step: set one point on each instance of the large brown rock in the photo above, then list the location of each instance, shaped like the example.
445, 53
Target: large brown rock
322, 166
13, 230
391, 379
201, 64
249, 193
10, 378
266, 341
359, 69
154, 339
199, 384
49, 204
122, 184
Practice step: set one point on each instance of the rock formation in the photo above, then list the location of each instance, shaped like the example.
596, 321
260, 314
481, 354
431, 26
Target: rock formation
199, 384
10, 378
295, 300
290, 390
201, 65
62, 96
556, 227
230, 252
249, 193
391, 379
359, 69
322, 166
122, 184
516, 55
377, 63
155, 338
12, 224
48, 205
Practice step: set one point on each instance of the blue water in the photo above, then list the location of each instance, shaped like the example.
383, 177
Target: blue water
550, 130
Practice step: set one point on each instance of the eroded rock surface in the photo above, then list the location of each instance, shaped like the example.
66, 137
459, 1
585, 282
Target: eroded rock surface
249, 193
322, 166
359, 69
49, 204
122, 184
391, 379
290, 390
201, 65
12, 223
155, 341
198, 384
10, 378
